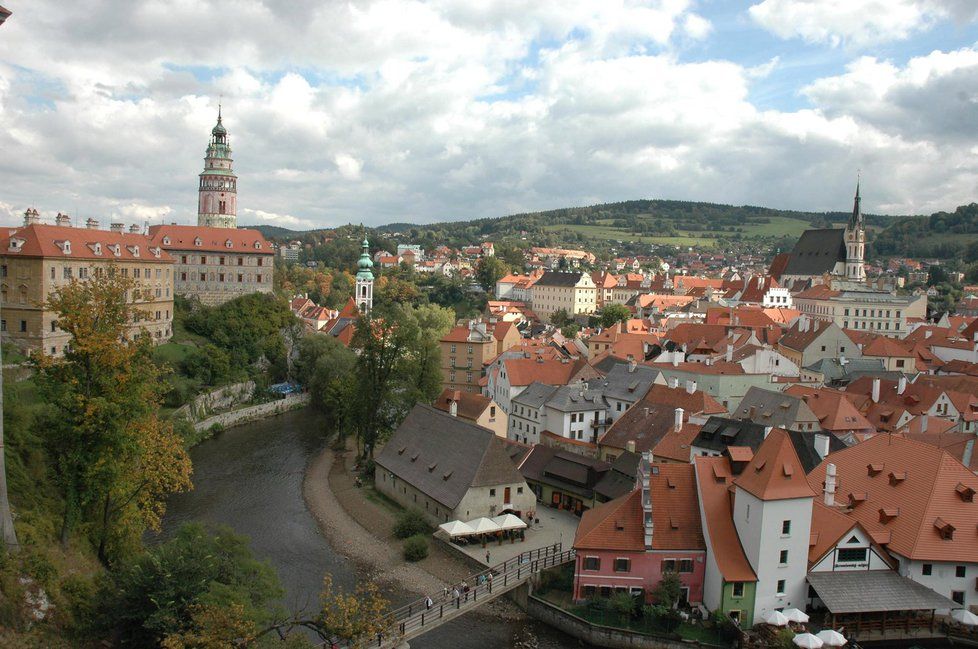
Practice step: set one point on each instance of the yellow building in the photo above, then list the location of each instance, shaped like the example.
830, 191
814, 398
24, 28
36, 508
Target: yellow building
465, 349
573, 292
36, 259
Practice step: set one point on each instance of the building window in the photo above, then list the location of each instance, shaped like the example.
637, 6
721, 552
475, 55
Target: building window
958, 596
851, 555
54, 326
592, 563
783, 558
519, 490
589, 592
685, 565
960, 571
241, 261
668, 565
3, 325
785, 528
927, 569
738, 589
492, 493
781, 587
23, 326
623, 565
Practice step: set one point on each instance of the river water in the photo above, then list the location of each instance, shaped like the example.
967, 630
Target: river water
250, 478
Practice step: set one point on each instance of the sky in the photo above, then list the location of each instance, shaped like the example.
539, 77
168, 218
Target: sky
381, 111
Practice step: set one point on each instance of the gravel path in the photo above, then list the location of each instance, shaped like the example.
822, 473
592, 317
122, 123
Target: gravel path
360, 529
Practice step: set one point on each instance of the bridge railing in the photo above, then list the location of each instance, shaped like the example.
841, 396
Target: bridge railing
415, 616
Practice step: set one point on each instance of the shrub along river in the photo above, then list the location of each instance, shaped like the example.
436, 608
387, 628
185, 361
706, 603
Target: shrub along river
250, 479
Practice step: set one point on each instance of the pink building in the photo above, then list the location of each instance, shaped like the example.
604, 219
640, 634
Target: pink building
628, 543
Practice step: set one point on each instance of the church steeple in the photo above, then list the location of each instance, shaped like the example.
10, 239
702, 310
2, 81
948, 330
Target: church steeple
217, 203
365, 280
855, 236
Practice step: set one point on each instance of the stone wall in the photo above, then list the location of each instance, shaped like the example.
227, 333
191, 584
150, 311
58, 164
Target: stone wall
252, 413
599, 636
221, 399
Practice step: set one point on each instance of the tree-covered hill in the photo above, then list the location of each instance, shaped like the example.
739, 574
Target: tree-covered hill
945, 235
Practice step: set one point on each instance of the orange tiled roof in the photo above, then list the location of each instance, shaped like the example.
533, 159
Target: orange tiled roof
524, 371
41, 240
775, 472
918, 485
714, 478
183, 237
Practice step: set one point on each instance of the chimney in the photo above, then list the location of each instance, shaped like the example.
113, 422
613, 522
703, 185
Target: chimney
31, 216
876, 390
902, 385
674, 382
91, 224
923, 423
453, 408
630, 446
675, 358
117, 227
927, 333
678, 423
63, 220
729, 353
821, 444
644, 472
134, 229
829, 490
690, 387
631, 363
842, 360
767, 431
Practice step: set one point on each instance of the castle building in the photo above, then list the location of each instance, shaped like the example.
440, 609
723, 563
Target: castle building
217, 204
365, 280
37, 259
215, 265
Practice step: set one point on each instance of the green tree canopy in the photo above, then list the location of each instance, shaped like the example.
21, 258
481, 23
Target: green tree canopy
613, 314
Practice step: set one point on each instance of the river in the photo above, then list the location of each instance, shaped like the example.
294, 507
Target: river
250, 478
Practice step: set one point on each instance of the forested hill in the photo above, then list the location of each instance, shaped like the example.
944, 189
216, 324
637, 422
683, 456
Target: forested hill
945, 235
641, 221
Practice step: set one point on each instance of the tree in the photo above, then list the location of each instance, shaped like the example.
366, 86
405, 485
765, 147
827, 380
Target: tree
668, 590
324, 365
570, 330
613, 314
352, 616
8, 535
560, 317
114, 461
186, 589
489, 271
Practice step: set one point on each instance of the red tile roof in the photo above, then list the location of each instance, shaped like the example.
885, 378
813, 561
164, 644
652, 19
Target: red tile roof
40, 240
775, 472
714, 478
470, 404
524, 371
184, 238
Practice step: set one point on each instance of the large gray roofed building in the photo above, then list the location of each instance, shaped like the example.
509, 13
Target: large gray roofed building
443, 456
817, 252
554, 278
627, 381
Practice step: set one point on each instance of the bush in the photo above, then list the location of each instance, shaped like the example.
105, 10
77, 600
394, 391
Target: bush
416, 548
623, 604
411, 523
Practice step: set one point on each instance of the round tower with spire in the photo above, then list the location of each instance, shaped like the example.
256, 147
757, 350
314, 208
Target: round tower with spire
217, 204
365, 280
855, 236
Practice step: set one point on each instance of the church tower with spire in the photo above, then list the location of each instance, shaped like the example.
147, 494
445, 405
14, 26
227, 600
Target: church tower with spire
217, 204
365, 281
855, 238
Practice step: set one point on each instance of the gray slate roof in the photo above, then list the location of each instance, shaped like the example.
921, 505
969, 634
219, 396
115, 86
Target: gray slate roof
772, 408
873, 591
554, 278
817, 252
568, 398
626, 384
837, 373
534, 396
443, 456
620, 480
720, 432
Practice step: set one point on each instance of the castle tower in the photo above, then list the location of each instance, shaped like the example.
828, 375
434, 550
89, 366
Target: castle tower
365, 281
217, 205
855, 236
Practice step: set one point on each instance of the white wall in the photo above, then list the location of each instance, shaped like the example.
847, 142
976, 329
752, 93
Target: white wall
758, 524
943, 579
874, 561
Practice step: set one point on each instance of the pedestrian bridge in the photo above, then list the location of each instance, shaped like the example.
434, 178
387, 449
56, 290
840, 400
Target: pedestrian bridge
419, 617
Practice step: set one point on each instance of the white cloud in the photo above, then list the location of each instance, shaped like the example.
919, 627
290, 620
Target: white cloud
399, 110
855, 22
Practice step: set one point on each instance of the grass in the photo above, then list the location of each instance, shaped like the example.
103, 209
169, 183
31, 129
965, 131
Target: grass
605, 233
171, 353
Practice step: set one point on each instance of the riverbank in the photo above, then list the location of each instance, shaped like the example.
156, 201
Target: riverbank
361, 530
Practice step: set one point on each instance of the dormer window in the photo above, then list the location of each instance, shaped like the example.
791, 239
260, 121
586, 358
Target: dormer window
16, 245
966, 493
97, 248
258, 245
116, 249
945, 529
66, 247
896, 477
198, 241
874, 469
133, 250
166, 241
228, 244
155, 251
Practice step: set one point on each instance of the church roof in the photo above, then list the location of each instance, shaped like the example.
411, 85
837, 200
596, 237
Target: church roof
817, 252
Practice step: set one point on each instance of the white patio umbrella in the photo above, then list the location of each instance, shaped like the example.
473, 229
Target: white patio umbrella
807, 641
831, 638
456, 528
776, 618
483, 525
964, 616
508, 522
795, 615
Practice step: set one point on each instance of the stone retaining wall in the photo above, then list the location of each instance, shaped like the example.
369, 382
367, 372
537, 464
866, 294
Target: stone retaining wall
252, 413
220, 399
600, 636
